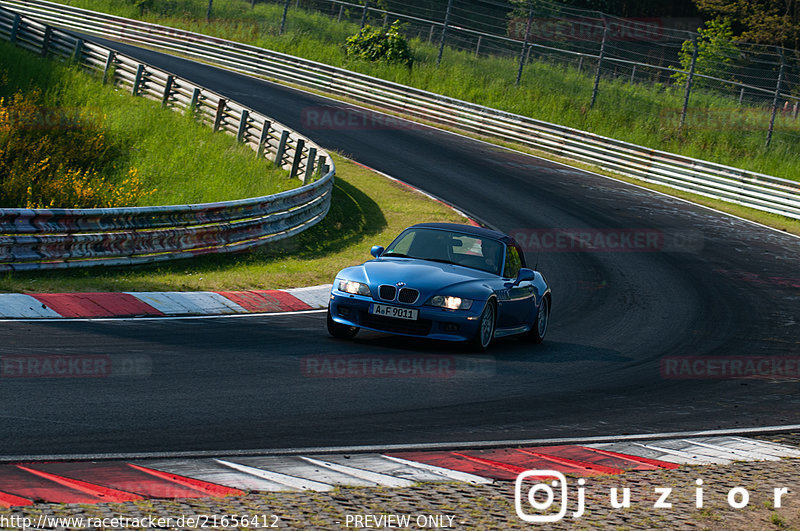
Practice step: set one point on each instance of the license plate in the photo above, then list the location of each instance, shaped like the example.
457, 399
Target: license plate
393, 311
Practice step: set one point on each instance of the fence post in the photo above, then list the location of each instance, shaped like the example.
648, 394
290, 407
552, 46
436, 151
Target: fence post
240, 132
14, 28
219, 115
107, 67
281, 148
298, 155
599, 63
524, 43
208, 11
283, 18
689, 80
341, 9
478, 47
167, 91
633, 74
775, 98
48, 33
262, 139
364, 14
137, 80
444, 31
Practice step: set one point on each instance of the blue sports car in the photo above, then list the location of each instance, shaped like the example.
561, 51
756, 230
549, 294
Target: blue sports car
443, 281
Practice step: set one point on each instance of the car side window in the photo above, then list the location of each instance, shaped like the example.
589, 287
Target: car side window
513, 262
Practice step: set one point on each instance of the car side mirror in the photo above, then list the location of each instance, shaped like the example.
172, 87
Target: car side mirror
523, 275
376, 251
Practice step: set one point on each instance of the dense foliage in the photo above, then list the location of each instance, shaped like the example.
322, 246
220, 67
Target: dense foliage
381, 44
56, 157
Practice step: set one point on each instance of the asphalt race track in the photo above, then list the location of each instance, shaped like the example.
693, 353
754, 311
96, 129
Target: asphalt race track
714, 287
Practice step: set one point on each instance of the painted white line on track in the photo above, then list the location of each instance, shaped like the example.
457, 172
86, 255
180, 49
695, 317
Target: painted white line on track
378, 448
165, 318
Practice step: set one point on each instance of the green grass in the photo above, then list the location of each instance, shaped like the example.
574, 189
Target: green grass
366, 209
183, 160
640, 114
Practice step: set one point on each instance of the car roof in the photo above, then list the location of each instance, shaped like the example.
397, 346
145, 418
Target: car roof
465, 229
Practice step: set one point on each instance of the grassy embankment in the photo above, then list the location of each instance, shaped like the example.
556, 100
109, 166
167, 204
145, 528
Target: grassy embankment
186, 163
641, 114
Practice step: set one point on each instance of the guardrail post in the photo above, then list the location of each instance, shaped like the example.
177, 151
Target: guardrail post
281, 148
167, 90
14, 28
262, 139
599, 63
48, 34
77, 52
220, 113
137, 81
193, 102
321, 166
240, 133
298, 155
312, 158
775, 98
107, 67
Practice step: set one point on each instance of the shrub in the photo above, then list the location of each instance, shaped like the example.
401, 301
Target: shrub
53, 157
377, 44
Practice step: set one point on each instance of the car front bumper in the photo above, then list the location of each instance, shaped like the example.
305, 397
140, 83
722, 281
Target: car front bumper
431, 322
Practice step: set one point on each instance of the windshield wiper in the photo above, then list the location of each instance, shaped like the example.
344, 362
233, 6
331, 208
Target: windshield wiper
396, 255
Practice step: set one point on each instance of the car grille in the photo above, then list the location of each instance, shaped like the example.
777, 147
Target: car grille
408, 295
420, 327
387, 292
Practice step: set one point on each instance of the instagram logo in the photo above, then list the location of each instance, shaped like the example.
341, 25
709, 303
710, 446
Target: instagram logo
541, 497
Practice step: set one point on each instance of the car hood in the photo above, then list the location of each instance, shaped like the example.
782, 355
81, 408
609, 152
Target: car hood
430, 278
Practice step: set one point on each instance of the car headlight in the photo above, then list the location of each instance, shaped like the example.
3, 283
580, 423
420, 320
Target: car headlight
451, 303
354, 288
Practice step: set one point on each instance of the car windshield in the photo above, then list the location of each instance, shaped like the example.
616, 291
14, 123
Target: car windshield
449, 247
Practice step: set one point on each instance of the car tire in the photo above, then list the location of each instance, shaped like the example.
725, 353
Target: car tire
340, 331
486, 327
539, 328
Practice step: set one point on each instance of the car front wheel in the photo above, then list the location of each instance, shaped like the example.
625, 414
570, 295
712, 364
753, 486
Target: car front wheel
340, 331
486, 324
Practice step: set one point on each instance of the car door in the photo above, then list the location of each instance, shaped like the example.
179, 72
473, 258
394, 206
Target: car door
515, 303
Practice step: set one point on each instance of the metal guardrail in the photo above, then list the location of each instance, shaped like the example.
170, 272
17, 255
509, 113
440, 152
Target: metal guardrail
62, 238
750, 189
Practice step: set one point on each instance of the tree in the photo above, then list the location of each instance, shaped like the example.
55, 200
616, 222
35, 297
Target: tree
715, 51
760, 21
